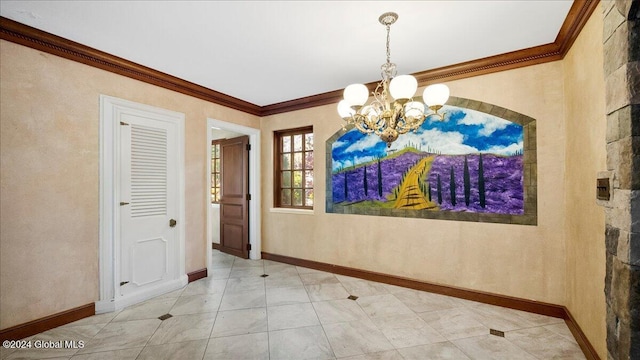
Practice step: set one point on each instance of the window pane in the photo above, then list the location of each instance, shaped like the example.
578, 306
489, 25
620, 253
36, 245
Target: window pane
216, 195
297, 161
297, 142
213, 166
213, 182
308, 160
308, 197
286, 197
286, 143
217, 165
308, 179
286, 179
297, 197
286, 161
308, 141
217, 182
297, 179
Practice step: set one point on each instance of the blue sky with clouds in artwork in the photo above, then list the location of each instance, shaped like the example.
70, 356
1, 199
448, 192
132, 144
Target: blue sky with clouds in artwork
462, 131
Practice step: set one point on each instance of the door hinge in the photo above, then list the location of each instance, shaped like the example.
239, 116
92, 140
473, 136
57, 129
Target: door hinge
249, 247
248, 147
248, 196
122, 203
123, 123
123, 283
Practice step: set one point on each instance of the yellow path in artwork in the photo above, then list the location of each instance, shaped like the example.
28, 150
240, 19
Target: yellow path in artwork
410, 196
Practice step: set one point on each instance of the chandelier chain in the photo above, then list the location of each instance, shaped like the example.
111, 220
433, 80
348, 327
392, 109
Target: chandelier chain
388, 42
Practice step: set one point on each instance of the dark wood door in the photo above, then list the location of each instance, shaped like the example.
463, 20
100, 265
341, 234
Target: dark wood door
234, 203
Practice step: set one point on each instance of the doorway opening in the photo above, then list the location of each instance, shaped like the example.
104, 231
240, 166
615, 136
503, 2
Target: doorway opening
216, 131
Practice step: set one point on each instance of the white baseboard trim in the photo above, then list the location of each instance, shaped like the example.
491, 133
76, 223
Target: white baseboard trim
105, 306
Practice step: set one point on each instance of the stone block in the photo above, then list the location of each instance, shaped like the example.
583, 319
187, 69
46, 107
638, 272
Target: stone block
634, 249
524, 220
616, 49
629, 120
624, 7
617, 92
613, 126
532, 132
620, 158
607, 277
606, 6
633, 81
619, 215
498, 111
634, 39
612, 235
612, 333
485, 108
634, 199
530, 157
612, 20
473, 105
635, 163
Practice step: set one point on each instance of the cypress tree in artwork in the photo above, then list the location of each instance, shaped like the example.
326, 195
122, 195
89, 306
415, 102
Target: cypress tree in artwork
439, 190
346, 186
366, 186
452, 188
379, 178
467, 182
429, 185
481, 190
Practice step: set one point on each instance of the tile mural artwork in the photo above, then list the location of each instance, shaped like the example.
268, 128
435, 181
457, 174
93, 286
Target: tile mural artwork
470, 162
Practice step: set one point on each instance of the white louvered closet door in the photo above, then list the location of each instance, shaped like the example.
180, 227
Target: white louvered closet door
149, 185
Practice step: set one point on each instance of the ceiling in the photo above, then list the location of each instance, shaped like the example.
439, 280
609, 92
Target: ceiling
267, 52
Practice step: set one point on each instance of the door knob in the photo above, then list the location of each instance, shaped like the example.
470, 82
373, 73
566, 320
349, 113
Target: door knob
172, 223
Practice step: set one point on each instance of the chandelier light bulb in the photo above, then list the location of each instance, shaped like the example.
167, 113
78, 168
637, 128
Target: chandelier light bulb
345, 110
403, 87
356, 94
414, 109
435, 95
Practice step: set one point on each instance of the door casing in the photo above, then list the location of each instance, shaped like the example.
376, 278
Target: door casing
110, 299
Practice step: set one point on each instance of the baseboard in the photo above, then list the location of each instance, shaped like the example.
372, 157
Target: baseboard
215, 246
47, 323
197, 275
511, 302
588, 349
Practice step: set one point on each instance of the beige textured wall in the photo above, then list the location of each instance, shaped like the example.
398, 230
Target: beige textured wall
49, 185
522, 261
586, 155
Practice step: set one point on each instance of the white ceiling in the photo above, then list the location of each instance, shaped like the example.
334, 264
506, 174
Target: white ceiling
266, 52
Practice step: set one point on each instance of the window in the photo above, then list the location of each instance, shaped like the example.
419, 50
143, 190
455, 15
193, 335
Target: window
215, 172
294, 168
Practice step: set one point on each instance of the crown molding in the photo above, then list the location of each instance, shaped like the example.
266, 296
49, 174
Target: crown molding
578, 15
40, 40
25, 35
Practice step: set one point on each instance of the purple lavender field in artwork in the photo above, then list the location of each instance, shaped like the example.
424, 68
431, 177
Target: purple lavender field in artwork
502, 177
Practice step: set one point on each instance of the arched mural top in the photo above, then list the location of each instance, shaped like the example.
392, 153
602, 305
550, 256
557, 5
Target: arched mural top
479, 164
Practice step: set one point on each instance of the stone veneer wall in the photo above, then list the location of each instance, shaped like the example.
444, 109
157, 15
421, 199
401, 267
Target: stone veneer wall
621, 37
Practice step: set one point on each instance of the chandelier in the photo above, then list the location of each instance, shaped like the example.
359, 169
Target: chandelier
392, 110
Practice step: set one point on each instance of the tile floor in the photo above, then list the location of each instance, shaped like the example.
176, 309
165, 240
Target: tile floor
299, 313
